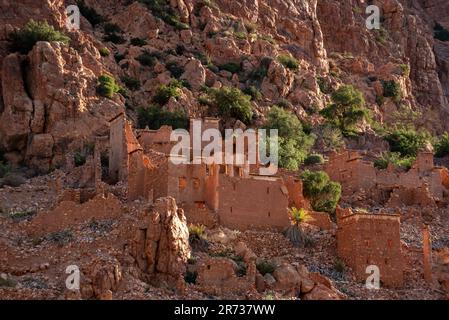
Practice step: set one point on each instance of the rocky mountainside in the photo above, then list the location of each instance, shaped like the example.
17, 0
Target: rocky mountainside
49, 103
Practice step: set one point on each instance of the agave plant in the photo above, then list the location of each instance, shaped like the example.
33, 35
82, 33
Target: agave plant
295, 232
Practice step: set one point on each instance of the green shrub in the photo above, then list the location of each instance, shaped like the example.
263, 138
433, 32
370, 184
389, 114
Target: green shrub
147, 59
294, 143
392, 89
231, 67
347, 110
232, 103
119, 57
265, 267
324, 85
107, 86
175, 69
406, 141
405, 68
33, 32
165, 92
203, 3
8, 282
163, 10
441, 145
395, 159
250, 27
131, 83
138, 42
380, 100
314, 159
104, 52
339, 266
382, 35
190, 277
89, 13
155, 117
331, 138
114, 38
240, 35
323, 193
12, 179
113, 33
4, 168
253, 92
60, 237
289, 62
110, 28
441, 33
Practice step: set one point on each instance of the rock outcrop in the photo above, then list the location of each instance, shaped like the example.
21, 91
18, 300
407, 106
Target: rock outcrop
161, 246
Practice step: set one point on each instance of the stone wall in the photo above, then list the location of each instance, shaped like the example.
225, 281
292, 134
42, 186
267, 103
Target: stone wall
255, 202
371, 239
356, 174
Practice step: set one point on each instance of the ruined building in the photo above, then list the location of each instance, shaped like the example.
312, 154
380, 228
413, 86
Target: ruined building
365, 239
424, 184
209, 193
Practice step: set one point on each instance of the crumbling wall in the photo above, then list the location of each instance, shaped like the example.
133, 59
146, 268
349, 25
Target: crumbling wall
295, 193
351, 171
117, 152
371, 239
356, 174
256, 202
157, 140
68, 213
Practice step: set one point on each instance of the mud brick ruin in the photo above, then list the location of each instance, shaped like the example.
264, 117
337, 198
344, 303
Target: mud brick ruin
423, 185
234, 196
367, 239
210, 194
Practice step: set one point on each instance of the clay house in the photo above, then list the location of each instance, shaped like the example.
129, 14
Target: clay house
209, 193
424, 184
365, 239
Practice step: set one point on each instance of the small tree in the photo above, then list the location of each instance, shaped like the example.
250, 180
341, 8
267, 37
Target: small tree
392, 89
165, 92
441, 145
107, 86
289, 62
294, 143
323, 193
347, 110
407, 141
154, 117
232, 103
295, 232
33, 32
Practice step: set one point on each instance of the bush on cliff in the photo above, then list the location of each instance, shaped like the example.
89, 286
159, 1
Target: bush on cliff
231, 103
347, 110
323, 193
24, 39
441, 145
407, 141
395, 159
294, 143
154, 117
107, 86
